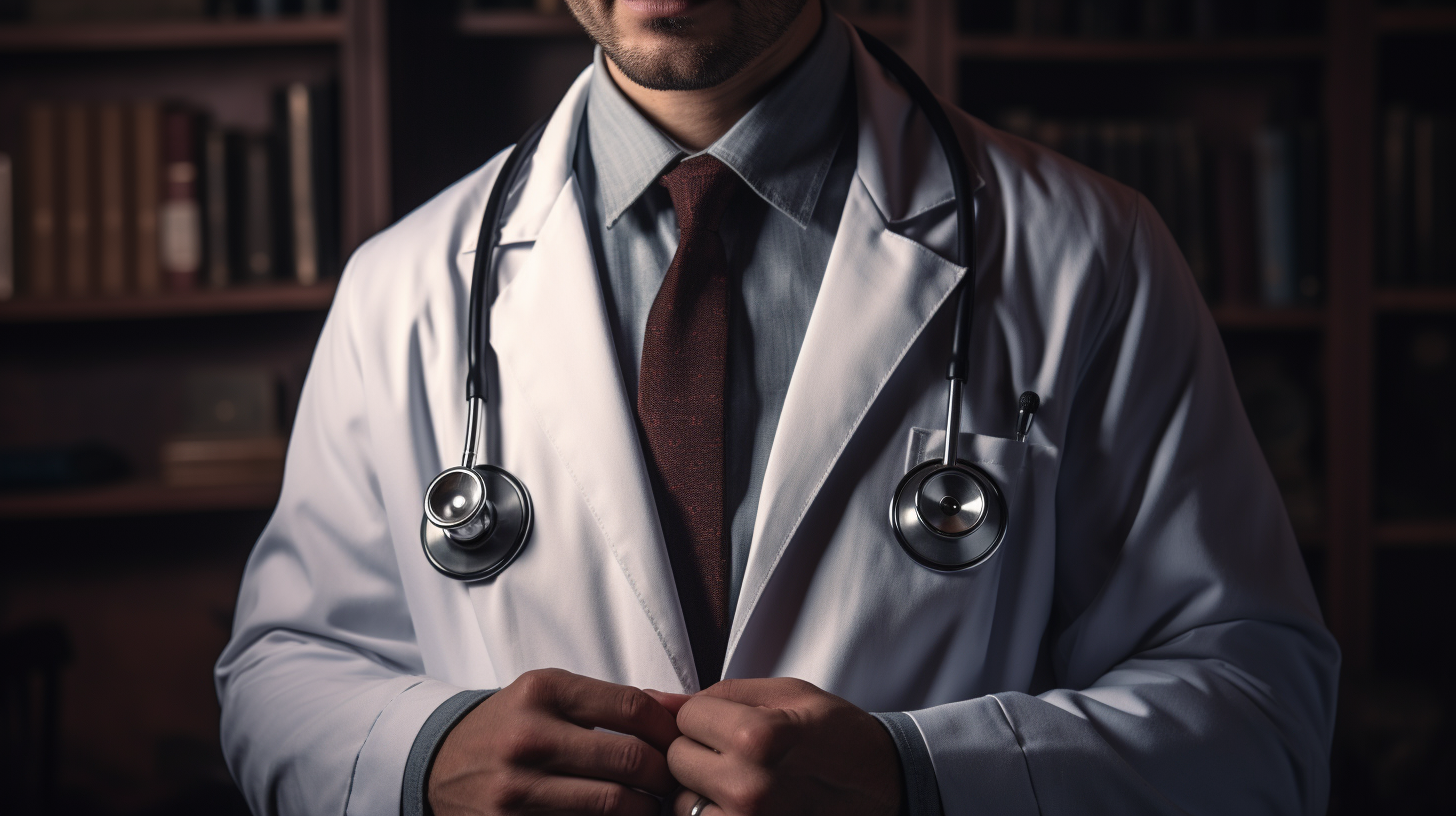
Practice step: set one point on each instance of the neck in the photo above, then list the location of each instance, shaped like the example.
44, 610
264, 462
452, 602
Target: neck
695, 119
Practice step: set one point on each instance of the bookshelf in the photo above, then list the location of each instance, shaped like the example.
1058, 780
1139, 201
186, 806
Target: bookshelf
229, 68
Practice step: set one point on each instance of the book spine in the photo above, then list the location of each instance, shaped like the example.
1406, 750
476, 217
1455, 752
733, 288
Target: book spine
300, 184
1397, 127
41, 168
324, 137
111, 163
76, 170
1443, 208
1423, 196
258, 244
1309, 211
7, 228
1274, 202
180, 217
147, 179
1193, 218
215, 182
1234, 205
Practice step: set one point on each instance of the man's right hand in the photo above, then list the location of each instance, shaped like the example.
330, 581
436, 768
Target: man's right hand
531, 748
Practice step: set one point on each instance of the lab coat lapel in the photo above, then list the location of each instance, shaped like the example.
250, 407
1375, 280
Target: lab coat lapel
553, 341
880, 289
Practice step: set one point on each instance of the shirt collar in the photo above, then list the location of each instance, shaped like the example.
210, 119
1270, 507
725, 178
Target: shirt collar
782, 148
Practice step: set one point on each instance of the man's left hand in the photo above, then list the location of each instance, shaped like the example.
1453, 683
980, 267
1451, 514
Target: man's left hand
782, 746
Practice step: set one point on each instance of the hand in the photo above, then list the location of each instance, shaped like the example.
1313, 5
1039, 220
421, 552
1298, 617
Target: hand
782, 746
530, 748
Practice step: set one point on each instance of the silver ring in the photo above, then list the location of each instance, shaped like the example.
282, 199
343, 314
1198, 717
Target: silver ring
699, 806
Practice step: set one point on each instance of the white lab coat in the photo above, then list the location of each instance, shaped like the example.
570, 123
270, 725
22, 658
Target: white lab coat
1145, 640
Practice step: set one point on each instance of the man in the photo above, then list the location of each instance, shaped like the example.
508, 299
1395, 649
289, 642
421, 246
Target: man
724, 307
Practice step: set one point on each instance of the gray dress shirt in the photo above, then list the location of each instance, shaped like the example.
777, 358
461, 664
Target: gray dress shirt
795, 151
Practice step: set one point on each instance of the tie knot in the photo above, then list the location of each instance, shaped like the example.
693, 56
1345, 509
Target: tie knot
700, 188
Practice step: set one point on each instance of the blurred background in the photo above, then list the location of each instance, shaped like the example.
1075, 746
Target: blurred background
181, 179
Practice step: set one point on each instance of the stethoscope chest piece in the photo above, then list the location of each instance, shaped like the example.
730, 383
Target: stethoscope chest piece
476, 521
948, 517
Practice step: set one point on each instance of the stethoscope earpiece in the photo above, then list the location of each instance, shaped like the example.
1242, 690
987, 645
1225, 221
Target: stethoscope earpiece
948, 517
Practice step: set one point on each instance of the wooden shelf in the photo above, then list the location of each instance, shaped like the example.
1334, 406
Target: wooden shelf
203, 302
170, 35
518, 24
1268, 319
1067, 49
1417, 20
1416, 300
1435, 533
526, 24
136, 498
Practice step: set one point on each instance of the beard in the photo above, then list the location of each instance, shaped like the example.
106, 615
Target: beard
687, 61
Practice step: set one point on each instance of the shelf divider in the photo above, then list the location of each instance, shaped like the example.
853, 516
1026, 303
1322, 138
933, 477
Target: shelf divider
135, 499
1072, 49
200, 302
169, 35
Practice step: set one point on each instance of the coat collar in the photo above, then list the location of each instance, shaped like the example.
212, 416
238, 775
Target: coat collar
879, 291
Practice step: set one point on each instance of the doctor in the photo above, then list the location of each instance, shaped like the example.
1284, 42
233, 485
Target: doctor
725, 286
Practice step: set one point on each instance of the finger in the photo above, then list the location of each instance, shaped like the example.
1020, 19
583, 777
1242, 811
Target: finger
682, 804
593, 703
734, 785
772, 692
609, 757
669, 700
572, 795
752, 733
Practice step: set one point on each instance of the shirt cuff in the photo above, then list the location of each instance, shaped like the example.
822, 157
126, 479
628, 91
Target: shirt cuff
414, 799
920, 794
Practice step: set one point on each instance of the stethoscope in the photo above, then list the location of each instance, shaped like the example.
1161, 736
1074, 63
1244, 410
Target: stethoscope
948, 514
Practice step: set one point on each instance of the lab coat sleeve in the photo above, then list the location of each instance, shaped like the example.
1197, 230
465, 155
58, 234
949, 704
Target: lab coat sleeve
1192, 673
322, 684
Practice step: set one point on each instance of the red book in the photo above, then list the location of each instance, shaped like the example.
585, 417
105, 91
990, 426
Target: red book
180, 216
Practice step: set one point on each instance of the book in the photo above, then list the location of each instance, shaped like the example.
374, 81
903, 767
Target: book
1422, 258
1310, 201
297, 125
1192, 232
256, 250
7, 229
179, 221
43, 242
209, 462
217, 209
1233, 201
111, 162
1275, 222
1443, 201
147, 179
1394, 235
78, 248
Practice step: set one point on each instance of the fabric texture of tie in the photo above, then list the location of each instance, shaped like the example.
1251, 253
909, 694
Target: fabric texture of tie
680, 404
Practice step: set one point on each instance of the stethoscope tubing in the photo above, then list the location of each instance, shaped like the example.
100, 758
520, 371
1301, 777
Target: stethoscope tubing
482, 295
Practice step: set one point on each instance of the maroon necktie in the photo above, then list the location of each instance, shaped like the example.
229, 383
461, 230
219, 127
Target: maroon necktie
680, 398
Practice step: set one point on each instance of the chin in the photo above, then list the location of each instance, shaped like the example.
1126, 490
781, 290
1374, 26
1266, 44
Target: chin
684, 45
